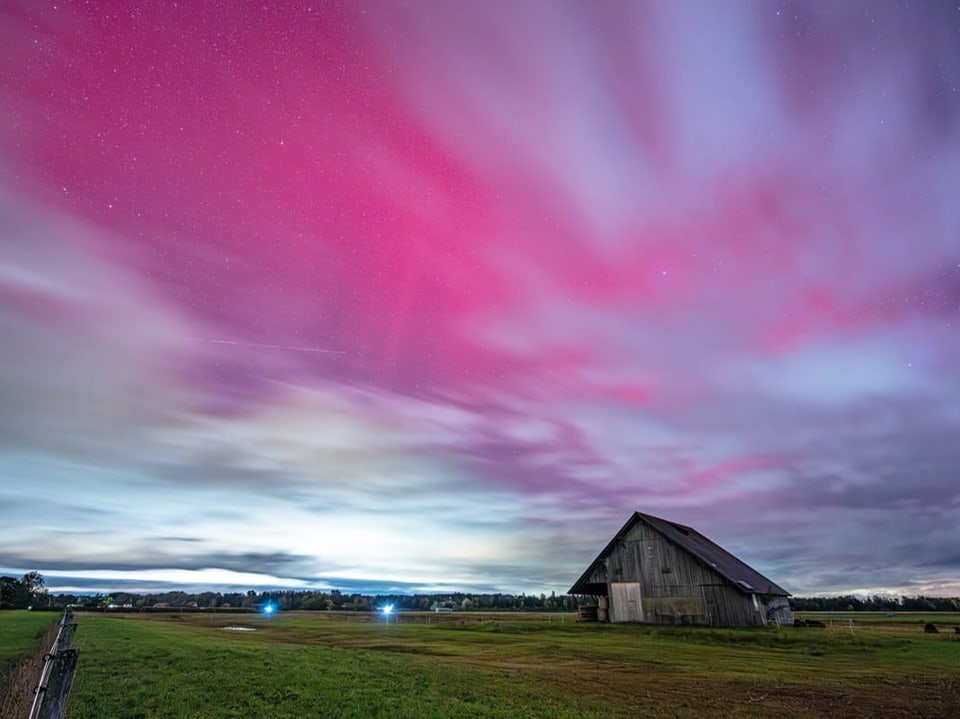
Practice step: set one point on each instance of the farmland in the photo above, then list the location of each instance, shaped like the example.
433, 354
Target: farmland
21, 631
338, 665
21, 642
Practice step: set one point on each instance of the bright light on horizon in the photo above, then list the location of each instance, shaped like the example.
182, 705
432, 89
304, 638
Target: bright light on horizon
453, 353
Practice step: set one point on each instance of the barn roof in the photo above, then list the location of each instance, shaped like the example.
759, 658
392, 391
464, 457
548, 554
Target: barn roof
739, 574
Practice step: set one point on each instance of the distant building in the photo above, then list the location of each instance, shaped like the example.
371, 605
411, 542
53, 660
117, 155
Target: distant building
659, 572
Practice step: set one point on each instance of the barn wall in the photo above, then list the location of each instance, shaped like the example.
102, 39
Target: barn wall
778, 610
675, 587
598, 575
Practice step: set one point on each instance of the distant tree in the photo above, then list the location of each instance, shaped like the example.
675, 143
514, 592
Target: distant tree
233, 599
314, 601
24, 592
34, 583
876, 603
208, 599
13, 594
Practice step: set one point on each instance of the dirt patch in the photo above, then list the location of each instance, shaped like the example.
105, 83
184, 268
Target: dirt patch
17, 696
905, 698
657, 692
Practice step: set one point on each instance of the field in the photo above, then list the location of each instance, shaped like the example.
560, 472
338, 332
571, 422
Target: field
20, 631
948, 619
465, 665
21, 635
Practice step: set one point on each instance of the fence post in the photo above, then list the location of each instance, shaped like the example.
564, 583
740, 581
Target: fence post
58, 686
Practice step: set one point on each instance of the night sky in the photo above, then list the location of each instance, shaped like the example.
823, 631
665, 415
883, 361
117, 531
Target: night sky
433, 295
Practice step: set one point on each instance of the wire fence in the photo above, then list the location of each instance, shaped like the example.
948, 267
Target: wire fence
59, 665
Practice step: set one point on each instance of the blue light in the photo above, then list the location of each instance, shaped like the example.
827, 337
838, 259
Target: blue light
269, 609
387, 610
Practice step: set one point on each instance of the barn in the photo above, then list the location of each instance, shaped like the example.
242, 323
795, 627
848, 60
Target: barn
660, 572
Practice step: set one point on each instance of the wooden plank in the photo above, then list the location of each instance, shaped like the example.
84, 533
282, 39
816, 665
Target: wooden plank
677, 610
666, 572
66, 636
625, 602
57, 690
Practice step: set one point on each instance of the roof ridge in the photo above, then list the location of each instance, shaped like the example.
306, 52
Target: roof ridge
724, 562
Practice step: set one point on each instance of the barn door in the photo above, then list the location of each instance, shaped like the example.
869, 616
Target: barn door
711, 601
625, 605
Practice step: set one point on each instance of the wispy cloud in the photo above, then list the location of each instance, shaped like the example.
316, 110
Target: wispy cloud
438, 295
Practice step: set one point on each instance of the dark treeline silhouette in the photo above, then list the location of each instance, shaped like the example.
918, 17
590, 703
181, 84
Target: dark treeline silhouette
877, 603
315, 600
30, 591
24, 592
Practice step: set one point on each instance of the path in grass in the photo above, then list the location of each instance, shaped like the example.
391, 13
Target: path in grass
308, 665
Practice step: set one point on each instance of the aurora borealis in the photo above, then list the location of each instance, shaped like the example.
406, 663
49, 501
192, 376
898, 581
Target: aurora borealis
435, 294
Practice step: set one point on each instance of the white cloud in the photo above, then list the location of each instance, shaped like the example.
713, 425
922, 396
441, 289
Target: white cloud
834, 373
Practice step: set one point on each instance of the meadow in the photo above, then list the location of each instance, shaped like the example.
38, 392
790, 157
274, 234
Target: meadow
22, 635
465, 665
21, 631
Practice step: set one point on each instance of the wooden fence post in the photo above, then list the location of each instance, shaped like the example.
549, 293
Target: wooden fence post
59, 666
59, 681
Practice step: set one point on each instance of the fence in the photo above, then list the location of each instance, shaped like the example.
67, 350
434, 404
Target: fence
59, 665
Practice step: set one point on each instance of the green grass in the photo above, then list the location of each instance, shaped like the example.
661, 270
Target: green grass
304, 665
20, 632
944, 619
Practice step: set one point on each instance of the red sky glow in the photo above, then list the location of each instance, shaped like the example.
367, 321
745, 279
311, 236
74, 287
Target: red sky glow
435, 294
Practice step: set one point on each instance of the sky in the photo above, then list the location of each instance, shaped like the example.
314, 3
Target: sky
427, 296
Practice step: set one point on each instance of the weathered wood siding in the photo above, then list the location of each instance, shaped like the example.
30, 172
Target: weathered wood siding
777, 609
675, 586
625, 602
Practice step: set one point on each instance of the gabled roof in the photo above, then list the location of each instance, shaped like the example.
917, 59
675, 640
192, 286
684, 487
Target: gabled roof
739, 574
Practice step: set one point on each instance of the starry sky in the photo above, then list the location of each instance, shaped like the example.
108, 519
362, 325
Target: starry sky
417, 296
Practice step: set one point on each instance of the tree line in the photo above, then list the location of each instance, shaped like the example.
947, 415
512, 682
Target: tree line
30, 591
876, 603
333, 600
24, 592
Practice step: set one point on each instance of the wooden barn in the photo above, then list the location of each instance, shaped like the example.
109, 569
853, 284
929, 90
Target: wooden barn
660, 572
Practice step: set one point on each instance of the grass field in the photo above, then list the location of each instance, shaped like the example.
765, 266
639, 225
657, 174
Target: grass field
948, 619
21, 643
321, 664
20, 631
